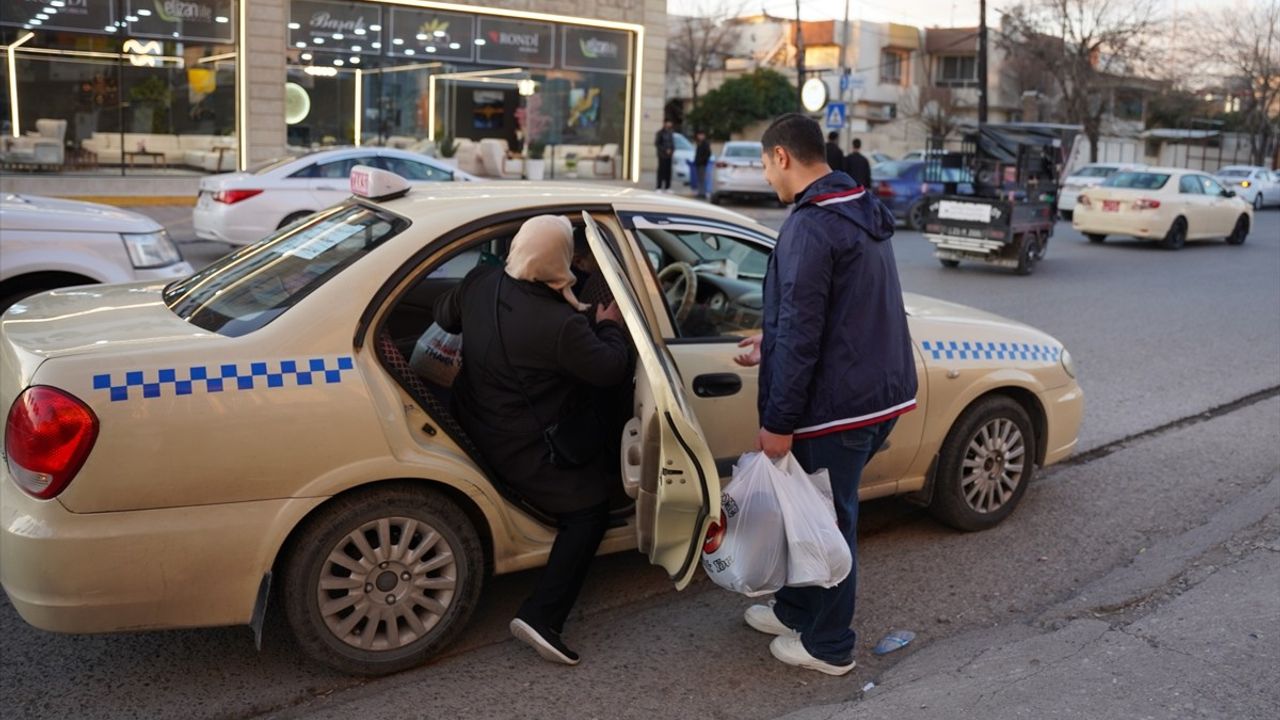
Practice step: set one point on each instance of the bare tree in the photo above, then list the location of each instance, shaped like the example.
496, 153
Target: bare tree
701, 43
1086, 46
938, 109
1242, 45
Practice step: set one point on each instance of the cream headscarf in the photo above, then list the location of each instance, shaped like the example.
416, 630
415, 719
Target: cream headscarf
542, 251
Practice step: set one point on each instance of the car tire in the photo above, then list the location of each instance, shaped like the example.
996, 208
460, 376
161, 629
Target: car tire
293, 218
1096, 237
1177, 235
443, 561
1258, 202
915, 216
991, 435
1029, 255
949, 263
1066, 215
716, 198
1240, 232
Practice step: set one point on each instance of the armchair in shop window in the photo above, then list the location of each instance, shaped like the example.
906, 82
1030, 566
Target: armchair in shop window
42, 148
606, 157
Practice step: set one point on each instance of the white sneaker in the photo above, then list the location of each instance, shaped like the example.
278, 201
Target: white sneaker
765, 620
791, 651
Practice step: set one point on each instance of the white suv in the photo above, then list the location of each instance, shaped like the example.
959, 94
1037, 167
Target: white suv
49, 243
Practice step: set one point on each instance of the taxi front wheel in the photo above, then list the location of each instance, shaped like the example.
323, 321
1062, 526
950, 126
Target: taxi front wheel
984, 465
381, 580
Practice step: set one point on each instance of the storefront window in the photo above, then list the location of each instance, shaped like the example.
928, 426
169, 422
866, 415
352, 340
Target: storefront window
110, 87
412, 77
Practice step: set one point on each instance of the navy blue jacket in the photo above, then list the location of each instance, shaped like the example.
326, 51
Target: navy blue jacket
836, 353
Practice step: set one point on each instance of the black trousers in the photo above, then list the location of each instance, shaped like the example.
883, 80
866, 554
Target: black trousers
561, 580
664, 171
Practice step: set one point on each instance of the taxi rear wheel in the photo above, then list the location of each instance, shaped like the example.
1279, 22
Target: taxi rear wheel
1176, 237
1240, 232
984, 465
379, 581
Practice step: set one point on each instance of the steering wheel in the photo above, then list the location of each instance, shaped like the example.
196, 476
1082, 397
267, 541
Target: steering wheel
679, 285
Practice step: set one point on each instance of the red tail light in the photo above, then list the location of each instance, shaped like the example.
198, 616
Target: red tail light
1084, 201
231, 197
47, 438
1146, 204
715, 536
722, 165
884, 189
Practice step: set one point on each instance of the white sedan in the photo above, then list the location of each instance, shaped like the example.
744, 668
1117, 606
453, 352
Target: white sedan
244, 207
1087, 177
739, 172
1257, 185
50, 243
1171, 205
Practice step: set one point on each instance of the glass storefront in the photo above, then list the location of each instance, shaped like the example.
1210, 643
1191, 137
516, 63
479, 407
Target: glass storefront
110, 87
416, 77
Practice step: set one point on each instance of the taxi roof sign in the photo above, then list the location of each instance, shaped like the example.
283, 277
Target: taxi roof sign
370, 182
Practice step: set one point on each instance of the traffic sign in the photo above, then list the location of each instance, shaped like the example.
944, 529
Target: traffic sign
835, 116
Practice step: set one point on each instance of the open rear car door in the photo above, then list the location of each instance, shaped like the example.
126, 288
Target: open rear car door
666, 463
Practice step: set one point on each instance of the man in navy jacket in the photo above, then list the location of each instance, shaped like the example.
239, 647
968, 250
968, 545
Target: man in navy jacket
836, 365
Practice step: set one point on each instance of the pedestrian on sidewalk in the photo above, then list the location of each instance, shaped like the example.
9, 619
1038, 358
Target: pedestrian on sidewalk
665, 143
857, 166
836, 367
701, 164
835, 156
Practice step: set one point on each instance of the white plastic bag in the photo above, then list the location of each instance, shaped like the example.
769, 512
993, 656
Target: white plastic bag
751, 555
437, 356
817, 554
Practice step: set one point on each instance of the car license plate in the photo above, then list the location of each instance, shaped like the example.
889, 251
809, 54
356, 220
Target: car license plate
1111, 205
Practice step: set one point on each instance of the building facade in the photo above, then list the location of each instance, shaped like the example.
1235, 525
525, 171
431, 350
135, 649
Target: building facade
153, 88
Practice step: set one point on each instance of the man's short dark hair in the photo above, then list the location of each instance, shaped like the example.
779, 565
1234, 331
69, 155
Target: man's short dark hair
834, 135
857, 143
800, 135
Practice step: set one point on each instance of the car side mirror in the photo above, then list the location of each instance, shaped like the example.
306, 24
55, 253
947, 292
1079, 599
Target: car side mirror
1228, 193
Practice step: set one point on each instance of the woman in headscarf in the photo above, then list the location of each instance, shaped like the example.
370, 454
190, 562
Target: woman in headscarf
531, 357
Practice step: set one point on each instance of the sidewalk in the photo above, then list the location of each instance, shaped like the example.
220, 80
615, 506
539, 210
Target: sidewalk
1190, 628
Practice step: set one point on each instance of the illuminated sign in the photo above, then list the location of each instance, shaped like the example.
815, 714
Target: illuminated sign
584, 48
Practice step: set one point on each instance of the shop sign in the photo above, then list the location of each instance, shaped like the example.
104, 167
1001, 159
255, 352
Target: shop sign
202, 20
323, 26
93, 16
584, 48
517, 43
442, 35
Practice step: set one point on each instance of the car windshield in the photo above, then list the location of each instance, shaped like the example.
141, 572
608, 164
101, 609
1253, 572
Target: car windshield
1137, 180
1235, 173
894, 169
1095, 171
742, 151
249, 288
263, 168
682, 142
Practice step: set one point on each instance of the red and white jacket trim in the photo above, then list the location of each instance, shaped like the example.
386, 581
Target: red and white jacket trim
836, 426
839, 197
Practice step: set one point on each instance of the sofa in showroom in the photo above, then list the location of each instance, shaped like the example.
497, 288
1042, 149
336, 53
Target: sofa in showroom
590, 161
212, 153
41, 148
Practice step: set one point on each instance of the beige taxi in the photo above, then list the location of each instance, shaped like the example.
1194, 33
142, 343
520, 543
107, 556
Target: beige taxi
179, 455
1170, 205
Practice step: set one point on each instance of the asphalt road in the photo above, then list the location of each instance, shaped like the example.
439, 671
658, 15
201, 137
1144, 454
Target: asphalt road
1160, 337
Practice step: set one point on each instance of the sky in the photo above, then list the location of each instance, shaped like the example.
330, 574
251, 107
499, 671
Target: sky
923, 13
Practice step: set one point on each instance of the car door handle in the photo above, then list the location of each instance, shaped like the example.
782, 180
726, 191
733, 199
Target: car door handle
331, 188
717, 384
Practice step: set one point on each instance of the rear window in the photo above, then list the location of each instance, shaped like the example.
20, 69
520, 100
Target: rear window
1095, 171
1138, 180
263, 168
1235, 173
742, 151
249, 288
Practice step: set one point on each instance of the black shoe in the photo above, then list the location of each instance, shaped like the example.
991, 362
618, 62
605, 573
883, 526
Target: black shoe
545, 641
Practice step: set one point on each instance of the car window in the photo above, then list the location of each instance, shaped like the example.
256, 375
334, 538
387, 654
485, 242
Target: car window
1235, 173
1211, 186
894, 169
1188, 185
334, 169
742, 151
248, 289
1137, 180
682, 142
412, 170
1096, 171
730, 277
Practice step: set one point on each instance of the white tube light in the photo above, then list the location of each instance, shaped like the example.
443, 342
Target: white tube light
13, 83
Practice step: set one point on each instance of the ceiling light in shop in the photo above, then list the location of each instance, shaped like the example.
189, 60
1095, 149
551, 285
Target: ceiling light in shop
439, 33
359, 31
131, 18
397, 41
305, 56
376, 28
354, 61
338, 36
376, 46
59, 3
455, 46
419, 36
409, 51
526, 87
144, 13
295, 26
338, 62
42, 16
221, 19
318, 72
297, 104
300, 44
318, 41
479, 41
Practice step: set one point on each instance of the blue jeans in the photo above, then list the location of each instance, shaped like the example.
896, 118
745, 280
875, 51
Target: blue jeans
699, 177
824, 616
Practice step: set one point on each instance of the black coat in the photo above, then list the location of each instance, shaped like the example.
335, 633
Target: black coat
559, 360
858, 167
835, 158
702, 153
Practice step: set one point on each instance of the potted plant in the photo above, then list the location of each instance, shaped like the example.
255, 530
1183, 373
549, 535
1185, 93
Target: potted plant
535, 166
571, 165
448, 149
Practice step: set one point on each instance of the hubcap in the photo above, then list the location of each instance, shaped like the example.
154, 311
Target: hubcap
993, 465
386, 584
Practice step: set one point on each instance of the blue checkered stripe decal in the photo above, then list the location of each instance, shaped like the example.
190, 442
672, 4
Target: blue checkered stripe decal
960, 350
216, 378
